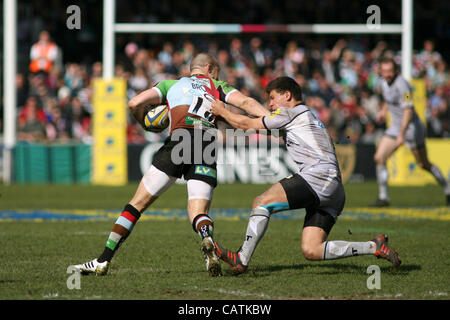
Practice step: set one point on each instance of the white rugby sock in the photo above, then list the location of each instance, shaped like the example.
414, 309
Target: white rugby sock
257, 225
342, 249
382, 178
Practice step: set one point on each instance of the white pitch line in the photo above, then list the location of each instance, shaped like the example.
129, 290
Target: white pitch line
239, 293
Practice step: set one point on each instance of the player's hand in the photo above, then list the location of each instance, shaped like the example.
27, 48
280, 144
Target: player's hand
217, 107
399, 141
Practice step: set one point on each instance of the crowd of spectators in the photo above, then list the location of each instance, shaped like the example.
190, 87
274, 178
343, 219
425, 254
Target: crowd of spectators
340, 83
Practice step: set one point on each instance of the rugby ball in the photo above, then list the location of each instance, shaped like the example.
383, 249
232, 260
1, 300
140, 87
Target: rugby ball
157, 119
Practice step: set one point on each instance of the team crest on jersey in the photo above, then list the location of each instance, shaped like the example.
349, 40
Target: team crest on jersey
320, 124
274, 113
407, 97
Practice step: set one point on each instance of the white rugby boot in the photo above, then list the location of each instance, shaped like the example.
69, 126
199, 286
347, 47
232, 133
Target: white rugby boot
99, 268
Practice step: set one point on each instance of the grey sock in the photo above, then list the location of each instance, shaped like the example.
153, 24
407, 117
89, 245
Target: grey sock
382, 178
440, 178
342, 249
257, 225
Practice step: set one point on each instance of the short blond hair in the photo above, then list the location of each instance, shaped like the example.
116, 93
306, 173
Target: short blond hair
202, 59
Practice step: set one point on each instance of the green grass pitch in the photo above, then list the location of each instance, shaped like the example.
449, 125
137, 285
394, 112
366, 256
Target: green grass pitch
161, 258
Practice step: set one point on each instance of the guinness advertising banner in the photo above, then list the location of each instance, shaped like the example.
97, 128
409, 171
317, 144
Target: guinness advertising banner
248, 165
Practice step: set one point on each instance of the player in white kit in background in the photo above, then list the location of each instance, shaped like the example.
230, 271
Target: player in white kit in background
317, 186
405, 128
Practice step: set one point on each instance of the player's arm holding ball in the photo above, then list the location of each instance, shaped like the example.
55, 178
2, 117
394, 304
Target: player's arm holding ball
138, 105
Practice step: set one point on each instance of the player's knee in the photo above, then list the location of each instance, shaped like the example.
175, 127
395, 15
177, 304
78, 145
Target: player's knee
378, 159
260, 201
311, 252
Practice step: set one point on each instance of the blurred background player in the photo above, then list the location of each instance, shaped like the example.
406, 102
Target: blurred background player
317, 186
189, 100
405, 128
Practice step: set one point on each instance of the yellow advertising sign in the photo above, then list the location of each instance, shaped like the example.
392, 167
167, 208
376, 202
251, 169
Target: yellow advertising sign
404, 171
346, 155
420, 98
109, 154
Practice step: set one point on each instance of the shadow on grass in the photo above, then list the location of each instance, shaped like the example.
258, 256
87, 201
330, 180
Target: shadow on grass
332, 268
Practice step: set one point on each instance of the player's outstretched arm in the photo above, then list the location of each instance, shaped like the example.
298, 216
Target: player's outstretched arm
236, 120
138, 104
248, 104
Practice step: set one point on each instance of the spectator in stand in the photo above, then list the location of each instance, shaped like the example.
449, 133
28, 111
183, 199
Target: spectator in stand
73, 76
31, 106
440, 78
293, 57
428, 57
340, 80
177, 65
328, 67
370, 103
188, 52
80, 120
97, 70
43, 54
338, 119
437, 113
256, 54
127, 59
266, 77
346, 69
160, 73
59, 126
165, 55
139, 81
22, 90
223, 59
371, 133
236, 51
31, 125
323, 89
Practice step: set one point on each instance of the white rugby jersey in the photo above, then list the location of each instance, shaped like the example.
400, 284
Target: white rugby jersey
307, 139
398, 96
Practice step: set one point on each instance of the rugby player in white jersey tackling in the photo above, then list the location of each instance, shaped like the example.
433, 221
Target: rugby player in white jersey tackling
317, 186
405, 128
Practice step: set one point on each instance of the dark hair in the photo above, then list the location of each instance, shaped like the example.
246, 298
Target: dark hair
389, 60
283, 84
